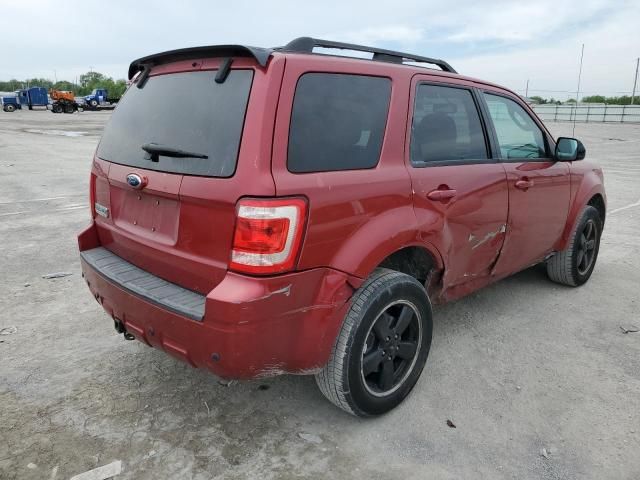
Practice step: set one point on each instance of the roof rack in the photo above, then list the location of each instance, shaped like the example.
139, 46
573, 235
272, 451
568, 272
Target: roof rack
307, 44
261, 55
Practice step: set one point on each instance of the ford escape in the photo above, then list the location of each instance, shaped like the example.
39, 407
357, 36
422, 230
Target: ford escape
258, 212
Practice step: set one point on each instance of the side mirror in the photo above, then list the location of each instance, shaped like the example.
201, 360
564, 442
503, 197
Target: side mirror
569, 149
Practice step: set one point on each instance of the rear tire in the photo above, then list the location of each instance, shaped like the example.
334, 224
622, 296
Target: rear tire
69, 108
575, 265
56, 108
382, 346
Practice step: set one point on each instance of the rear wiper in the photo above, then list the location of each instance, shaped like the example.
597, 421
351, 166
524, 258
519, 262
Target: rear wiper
155, 149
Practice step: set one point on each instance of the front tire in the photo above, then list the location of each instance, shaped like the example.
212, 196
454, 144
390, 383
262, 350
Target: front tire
575, 265
382, 346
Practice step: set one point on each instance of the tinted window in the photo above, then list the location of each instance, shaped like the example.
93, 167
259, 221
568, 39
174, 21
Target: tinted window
446, 126
188, 111
337, 122
518, 134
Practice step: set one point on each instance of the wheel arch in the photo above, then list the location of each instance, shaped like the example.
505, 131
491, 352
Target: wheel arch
415, 260
378, 239
597, 201
590, 192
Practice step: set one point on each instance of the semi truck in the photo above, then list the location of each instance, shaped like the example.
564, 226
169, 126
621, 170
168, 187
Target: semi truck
99, 99
63, 101
26, 97
33, 97
9, 102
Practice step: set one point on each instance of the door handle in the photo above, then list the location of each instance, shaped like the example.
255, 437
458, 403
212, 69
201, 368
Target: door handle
524, 184
441, 195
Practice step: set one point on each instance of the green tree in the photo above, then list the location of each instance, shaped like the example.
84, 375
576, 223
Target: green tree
64, 85
11, 85
622, 100
538, 99
594, 99
91, 78
39, 82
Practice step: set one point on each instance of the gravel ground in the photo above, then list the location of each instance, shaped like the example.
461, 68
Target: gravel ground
538, 378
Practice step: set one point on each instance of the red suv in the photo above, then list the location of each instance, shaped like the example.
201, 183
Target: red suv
266, 211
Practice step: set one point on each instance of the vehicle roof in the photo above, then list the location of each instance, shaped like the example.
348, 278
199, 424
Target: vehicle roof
414, 69
302, 48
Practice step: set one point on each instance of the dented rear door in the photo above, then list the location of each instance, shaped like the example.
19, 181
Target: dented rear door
460, 191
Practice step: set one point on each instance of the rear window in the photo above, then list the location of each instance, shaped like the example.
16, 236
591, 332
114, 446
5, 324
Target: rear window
337, 122
446, 126
186, 111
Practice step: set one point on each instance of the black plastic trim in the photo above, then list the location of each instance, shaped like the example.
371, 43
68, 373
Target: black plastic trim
145, 285
261, 55
223, 71
146, 70
453, 163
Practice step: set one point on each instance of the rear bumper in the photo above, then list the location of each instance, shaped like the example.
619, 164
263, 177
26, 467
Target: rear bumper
251, 327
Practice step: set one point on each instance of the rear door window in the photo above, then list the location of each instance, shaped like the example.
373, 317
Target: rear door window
446, 126
338, 122
185, 111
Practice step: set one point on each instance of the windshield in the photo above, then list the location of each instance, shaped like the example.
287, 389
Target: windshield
182, 111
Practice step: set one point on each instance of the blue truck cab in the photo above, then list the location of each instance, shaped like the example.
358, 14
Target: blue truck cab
97, 97
10, 102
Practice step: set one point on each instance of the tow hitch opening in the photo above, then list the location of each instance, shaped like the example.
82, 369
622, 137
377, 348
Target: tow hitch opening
119, 326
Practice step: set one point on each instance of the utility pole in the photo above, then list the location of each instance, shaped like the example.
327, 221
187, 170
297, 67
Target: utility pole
635, 81
526, 91
578, 91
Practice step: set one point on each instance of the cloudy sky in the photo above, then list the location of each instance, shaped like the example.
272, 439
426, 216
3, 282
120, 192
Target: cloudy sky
506, 42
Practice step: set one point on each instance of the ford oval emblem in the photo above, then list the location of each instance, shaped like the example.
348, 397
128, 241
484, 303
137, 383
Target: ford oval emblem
134, 180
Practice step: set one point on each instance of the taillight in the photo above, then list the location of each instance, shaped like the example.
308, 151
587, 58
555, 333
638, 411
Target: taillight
92, 194
268, 235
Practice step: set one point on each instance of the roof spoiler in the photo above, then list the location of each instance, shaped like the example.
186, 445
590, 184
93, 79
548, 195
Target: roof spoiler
261, 55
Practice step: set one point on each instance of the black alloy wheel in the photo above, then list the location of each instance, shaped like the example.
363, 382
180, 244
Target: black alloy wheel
391, 348
586, 252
